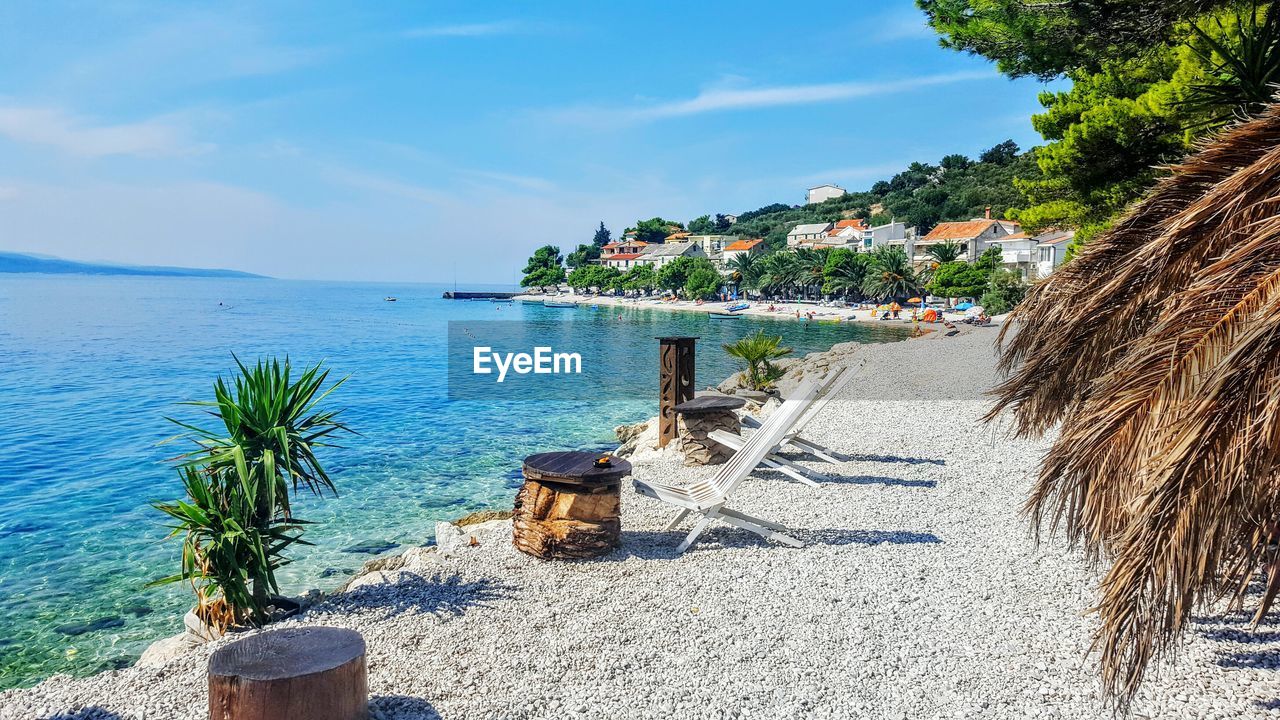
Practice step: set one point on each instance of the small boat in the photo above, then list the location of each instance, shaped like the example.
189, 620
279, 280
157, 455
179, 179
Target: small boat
557, 304
737, 307
389, 298
501, 300
725, 316
532, 302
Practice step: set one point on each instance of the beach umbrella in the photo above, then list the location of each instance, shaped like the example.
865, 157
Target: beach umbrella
1166, 464
914, 300
964, 306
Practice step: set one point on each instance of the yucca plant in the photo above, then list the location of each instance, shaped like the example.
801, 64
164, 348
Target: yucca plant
223, 552
759, 351
239, 519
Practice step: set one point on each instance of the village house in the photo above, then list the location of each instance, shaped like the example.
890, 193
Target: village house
622, 254
845, 232
741, 248
891, 234
973, 236
659, 255
822, 193
808, 234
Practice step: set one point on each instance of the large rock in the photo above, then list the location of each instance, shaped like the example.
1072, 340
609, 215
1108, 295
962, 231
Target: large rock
163, 652
640, 436
452, 540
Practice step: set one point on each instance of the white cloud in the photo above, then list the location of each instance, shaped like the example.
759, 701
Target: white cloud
83, 138
503, 27
901, 26
726, 98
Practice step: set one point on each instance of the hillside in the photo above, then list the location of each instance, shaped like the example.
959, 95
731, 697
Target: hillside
20, 263
923, 195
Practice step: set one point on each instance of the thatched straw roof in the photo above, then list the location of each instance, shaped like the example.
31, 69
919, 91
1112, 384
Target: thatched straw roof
1157, 350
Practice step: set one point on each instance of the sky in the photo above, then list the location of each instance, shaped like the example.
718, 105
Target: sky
434, 140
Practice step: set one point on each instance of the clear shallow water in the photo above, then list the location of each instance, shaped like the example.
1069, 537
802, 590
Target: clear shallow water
90, 366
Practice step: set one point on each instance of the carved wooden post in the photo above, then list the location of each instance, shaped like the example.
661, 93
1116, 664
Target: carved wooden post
675, 382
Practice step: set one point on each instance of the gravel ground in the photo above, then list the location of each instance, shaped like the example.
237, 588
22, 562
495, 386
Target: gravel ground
918, 595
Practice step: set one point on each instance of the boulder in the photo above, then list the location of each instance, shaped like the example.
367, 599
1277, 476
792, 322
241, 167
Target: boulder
162, 652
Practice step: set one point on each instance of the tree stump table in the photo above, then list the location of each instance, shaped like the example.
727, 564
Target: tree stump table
700, 417
312, 673
568, 506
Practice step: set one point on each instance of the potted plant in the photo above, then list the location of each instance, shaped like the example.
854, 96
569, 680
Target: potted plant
236, 521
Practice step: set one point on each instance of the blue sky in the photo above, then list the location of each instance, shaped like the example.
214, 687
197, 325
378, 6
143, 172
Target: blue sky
402, 140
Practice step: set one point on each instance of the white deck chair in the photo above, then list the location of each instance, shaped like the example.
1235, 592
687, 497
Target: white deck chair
830, 385
708, 497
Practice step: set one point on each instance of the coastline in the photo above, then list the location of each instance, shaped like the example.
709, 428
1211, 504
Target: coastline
916, 572
786, 310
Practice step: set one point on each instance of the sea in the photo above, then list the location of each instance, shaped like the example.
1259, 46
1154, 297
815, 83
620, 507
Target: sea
91, 367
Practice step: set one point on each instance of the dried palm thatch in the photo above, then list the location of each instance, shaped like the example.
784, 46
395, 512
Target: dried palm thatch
1158, 351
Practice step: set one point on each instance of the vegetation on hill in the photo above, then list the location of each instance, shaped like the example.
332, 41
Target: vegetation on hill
922, 195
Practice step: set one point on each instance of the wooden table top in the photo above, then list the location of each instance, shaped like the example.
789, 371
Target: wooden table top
709, 404
575, 468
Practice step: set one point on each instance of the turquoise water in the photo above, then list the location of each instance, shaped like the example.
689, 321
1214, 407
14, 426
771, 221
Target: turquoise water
89, 367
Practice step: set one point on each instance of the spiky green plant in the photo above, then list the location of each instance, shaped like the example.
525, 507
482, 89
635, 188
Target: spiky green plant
270, 428
758, 351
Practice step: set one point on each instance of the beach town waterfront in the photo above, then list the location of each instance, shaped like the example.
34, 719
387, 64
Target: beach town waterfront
91, 367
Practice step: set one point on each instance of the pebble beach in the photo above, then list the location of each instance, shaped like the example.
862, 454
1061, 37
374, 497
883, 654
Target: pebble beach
918, 594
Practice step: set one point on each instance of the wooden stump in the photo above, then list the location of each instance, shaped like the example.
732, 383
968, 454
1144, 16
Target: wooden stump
314, 673
554, 520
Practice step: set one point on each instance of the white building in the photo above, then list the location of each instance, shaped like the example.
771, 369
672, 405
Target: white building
713, 244
1051, 250
893, 234
742, 247
659, 255
808, 234
731, 219
822, 193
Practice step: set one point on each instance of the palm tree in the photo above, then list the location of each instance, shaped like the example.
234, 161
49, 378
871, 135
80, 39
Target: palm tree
759, 351
889, 274
1166, 462
745, 271
944, 252
782, 272
810, 262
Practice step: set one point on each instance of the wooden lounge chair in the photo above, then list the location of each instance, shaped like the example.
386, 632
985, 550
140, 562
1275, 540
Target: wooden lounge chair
830, 384
708, 497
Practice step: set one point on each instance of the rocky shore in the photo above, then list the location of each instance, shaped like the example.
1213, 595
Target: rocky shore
918, 594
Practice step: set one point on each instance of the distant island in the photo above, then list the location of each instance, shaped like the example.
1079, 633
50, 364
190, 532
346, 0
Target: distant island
20, 263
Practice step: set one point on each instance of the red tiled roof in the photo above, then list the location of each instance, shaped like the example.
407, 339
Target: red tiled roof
856, 223
958, 230
624, 256
742, 245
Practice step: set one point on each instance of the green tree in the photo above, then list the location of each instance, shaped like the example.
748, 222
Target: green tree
745, 271
675, 274
602, 236
656, 230
544, 268
640, 277
844, 272
703, 283
1005, 289
583, 256
722, 224
889, 275
702, 225
959, 279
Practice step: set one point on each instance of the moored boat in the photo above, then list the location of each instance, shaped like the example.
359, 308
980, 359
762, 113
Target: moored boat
558, 304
